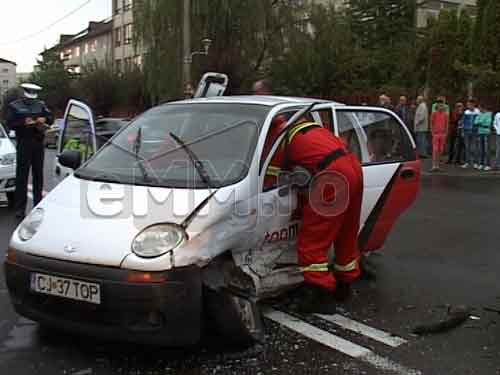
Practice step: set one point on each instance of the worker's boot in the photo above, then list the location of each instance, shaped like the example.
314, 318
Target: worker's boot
368, 269
316, 300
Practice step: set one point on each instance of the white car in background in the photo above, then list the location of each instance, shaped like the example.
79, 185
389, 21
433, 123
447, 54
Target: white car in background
7, 166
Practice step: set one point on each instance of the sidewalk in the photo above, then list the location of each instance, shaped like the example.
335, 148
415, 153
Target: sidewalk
454, 170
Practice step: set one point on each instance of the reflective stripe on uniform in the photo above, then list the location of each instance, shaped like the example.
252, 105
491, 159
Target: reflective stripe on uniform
347, 268
299, 128
273, 171
320, 267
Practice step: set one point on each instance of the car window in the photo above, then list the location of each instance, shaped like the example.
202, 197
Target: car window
77, 133
376, 137
222, 136
349, 133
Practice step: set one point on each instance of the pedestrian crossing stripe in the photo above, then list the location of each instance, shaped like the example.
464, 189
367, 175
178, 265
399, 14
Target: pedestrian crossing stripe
340, 344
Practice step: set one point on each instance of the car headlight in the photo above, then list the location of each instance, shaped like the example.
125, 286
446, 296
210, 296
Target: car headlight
30, 225
8, 159
158, 240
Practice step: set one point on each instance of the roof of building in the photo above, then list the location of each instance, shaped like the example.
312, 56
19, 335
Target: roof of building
93, 30
7, 61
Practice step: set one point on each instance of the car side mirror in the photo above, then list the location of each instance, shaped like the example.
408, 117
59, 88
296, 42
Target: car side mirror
70, 159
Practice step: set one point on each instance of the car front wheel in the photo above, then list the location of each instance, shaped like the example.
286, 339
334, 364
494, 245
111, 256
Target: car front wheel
236, 318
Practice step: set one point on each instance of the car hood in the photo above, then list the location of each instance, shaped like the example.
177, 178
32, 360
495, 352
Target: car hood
95, 222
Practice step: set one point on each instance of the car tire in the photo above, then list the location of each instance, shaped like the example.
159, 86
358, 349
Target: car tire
237, 319
11, 196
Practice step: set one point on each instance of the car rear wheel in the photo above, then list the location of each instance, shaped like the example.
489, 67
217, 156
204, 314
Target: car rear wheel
236, 318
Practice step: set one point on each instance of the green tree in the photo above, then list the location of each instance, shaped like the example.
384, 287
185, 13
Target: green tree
321, 58
246, 34
55, 80
385, 29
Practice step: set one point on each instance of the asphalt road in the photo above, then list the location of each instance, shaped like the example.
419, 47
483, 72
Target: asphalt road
443, 253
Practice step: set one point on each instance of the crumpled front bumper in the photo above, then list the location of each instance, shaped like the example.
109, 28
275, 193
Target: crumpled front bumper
167, 313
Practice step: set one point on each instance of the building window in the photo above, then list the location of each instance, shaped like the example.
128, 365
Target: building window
61, 55
5, 82
68, 54
77, 51
117, 4
128, 33
127, 5
118, 66
86, 48
138, 61
118, 37
128, 63
94, 45
5, 70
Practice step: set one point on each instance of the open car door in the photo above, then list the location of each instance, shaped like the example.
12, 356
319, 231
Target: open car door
391, 168
212, 84
77, 133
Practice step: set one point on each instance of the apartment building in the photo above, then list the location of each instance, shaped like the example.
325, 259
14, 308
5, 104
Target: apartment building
90, 46
431, 8
124, 54
7, 76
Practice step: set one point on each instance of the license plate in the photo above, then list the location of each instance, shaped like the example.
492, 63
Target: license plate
66, 288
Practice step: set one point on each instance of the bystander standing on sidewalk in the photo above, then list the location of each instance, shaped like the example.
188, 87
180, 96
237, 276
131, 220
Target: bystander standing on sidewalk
496, 127
403, 110
385, 101
421, 126
439, 127
483, 124
455, 136
469, 131
440, 100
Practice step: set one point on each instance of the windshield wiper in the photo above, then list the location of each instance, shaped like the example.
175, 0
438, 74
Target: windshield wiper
198, 165
138, 158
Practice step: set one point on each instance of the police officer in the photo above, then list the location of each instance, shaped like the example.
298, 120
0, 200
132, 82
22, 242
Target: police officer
29, 118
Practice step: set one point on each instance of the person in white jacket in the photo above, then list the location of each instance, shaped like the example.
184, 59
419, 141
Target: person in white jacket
496, 125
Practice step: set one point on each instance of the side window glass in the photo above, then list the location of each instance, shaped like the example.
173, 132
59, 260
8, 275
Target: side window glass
274, 168
77, 133
347, 125
385, 139
326, 118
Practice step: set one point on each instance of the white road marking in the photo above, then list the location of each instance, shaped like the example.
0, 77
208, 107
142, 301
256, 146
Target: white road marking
337, 343
373, 333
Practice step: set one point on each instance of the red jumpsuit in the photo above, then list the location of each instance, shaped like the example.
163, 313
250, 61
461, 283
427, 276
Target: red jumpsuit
331, 214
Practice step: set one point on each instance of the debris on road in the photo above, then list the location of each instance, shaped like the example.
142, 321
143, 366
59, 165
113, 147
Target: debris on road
454, 318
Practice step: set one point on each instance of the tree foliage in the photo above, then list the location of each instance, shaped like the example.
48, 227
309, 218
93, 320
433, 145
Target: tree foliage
55, 80
246, 35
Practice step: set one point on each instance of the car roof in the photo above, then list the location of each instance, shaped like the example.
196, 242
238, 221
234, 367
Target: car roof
270, 101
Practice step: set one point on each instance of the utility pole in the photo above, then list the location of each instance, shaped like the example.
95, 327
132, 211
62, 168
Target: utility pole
187, 42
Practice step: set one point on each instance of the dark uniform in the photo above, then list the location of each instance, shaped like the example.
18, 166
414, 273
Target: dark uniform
30, 148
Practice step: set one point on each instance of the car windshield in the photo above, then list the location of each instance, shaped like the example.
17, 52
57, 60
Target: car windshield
3, 134
222, 137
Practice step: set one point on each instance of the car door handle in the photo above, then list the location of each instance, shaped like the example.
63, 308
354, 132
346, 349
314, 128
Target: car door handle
408, 174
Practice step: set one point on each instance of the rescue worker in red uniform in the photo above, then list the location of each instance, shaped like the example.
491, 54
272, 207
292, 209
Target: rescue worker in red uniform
330, 213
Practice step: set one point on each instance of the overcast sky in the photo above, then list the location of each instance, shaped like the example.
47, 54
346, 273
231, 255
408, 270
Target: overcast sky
23, 18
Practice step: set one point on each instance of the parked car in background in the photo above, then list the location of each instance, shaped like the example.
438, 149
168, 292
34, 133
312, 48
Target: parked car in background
52, 135
7, 166
76, 133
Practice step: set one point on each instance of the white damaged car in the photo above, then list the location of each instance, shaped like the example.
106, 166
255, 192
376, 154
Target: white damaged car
7, 166
179, 217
